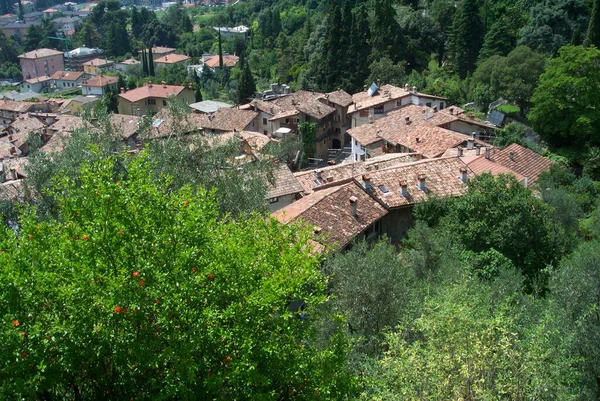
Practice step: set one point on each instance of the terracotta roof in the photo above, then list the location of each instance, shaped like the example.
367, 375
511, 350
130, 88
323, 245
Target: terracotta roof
441, 180
56, 143
225, 119
100, 81
315, 108
50, 10
146, 91
18, 164
522, 160
24, 125
68, 124
385, 94
228, 61
159, 50
14, 106
339, 97
67, 75
99, 62
266, 107
284, 183
334, 175
284, 114
40, 53
11, 190
480, 165
130, 61
125, 125
7, 148
38, 80
329, 211
255, 140
171, 59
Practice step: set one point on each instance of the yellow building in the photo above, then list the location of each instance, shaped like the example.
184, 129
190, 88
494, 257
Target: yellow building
151, 98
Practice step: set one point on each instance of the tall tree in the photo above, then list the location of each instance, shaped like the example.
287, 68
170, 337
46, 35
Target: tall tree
330, 68
565, 111
246, 84
150, 61
144, 63
593, 32
387, 38
467, 37
220, 50
442, 13
359, 51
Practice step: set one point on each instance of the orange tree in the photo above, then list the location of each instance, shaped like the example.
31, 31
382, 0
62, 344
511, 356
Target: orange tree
138, 292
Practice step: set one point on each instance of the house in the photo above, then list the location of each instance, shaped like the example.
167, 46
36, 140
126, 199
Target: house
50, 12
281, 116
312, 180
523, 163
226, 120
237, 31
412, 128
7, 19
10, 110
22, 130
37, 85
159, 51
336, 214
98, 85
123, 65
95, 66
18, 28
283, 188
73, 105
66, 24
67, 79
208, 106
377, 202
127, 127
212, 61
376, 102
77, 57
41, 62
171, 59
33, 16
340, 100
151, 98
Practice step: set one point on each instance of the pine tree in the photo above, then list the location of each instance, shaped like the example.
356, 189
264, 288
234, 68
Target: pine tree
360, 37
593, 32
246, 84
467, 37
220, 51
144, 63
150, 61
328, 73
387, 38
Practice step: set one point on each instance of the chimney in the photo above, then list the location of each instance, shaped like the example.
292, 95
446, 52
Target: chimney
164, 84
122, 90
487, 153
406, 87
526, 182
435, 109
404, 188
463, 175
511, 155
318, 174
13, 174
414, 89
451, 110
470, 143
477, 151
13, 150
407, 120
354, 206
418, 140
421, 182
190, 86
459, 152
329, 178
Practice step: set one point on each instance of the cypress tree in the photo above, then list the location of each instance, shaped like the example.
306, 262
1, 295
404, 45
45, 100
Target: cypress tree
360, 35
220, 51
467, 37
150, 61
387, 38
144, 63
329, 72
593, 32
246, 84
198, 94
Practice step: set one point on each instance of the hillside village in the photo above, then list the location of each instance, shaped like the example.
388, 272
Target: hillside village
299, 200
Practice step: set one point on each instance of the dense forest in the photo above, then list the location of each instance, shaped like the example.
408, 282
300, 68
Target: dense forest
159, 276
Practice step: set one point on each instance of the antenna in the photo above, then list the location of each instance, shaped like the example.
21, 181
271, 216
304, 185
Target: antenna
66, 49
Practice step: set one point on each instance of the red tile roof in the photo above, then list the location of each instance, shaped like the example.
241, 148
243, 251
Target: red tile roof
171, 59
100, 81
99, 62
40, 53
329, 211
480, 165
523, 161
153, 90
67, 75
228, 61
441, 180
283, 183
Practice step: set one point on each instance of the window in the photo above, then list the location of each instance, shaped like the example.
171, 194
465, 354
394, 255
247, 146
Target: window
364, 113
273, 200
383, 189
265, 132
164, 102
378, 109
151, 101
441, 105
373, 230
287, 120
428, 104
264, 121
398, 103
317, 183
